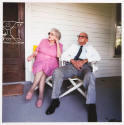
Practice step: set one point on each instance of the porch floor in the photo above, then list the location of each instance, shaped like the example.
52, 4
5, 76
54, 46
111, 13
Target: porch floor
72, 107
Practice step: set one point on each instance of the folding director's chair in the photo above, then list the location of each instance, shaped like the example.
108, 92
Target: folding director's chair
76, 83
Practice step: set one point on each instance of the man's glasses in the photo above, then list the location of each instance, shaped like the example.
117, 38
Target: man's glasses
82, 36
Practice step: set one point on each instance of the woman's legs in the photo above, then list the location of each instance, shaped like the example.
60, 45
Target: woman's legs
37, 78
41, 90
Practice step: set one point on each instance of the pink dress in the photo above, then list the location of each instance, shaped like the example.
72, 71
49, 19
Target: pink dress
46, 59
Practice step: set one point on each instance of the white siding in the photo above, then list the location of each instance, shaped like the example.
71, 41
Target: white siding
71, 19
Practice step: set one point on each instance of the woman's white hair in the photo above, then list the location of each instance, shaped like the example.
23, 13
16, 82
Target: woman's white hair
57, 32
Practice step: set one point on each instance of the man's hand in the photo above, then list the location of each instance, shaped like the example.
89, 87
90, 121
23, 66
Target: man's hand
75, 64
78, 64
72, 61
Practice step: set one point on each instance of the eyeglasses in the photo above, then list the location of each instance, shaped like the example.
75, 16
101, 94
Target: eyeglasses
82, 36
51, 34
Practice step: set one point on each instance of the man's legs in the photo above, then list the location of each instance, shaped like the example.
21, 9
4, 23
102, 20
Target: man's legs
58, 76
89, 84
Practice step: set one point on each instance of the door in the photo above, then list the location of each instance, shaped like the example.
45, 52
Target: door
13, 42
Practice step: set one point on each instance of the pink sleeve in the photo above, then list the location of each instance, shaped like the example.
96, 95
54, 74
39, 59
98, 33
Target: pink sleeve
37, 49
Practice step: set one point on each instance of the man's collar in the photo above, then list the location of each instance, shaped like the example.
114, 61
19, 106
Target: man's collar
83, 45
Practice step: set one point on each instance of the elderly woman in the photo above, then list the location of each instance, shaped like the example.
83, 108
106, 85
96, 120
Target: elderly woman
46, 61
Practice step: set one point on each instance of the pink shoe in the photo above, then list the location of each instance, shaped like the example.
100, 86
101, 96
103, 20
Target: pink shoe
29, 95
39, 103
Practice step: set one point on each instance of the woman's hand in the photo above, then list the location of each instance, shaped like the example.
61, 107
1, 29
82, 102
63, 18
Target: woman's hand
30, 58
35, 53
56, 40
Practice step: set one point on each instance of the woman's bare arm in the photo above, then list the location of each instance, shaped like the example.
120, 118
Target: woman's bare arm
32, 56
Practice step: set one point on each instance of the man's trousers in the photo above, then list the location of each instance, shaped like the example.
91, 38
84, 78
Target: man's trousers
68, 71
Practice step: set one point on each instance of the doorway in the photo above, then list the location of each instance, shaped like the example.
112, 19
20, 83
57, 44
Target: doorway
13, 42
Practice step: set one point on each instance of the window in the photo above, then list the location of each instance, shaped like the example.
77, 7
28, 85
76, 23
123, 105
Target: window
118, 40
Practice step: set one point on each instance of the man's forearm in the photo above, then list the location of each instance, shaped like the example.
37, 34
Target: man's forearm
84, 61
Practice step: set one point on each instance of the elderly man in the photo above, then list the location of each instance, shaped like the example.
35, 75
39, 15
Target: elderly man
80, 57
